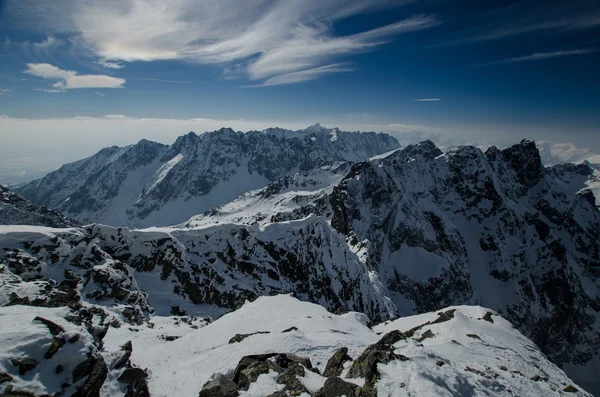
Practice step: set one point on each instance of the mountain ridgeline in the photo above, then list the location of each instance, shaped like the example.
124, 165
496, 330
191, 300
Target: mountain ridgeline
150, 184
410, 231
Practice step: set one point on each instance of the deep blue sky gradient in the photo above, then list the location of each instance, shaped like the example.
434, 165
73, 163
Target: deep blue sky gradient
478, 91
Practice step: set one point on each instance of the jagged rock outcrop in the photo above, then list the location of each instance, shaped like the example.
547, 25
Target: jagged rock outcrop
15, 210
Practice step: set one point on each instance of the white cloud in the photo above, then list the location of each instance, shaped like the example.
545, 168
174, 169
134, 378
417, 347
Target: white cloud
99, 93
5, 91
547, 55
49, 90
273, 41
305, 75
69, 79
428, 100
110, 64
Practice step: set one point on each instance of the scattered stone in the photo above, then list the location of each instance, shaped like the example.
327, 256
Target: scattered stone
284, 360
220, 386
169, 338
131, 375
444, 316
335, 365
55, 346
488, 317
475, 371
25, 364
96, 370
74, 338
290, 329
425, 335
289, 378
365, 366
280, 393
503, 368
536, 378
570, 389
440, 363
54, 328
127, 349
240, 337
337, 387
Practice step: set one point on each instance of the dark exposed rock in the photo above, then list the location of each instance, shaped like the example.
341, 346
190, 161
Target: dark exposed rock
220, 386
132, 375
365, 366
54, 328
440, 363
289, 378
335, 365
55, 346
240, 337
122, 360
290, 329
10, 391
425, 335
474, 336
4, 377
488, 317
570, 389
96, 371
279, 393
337, 387
284, 360
24, 364
138, 388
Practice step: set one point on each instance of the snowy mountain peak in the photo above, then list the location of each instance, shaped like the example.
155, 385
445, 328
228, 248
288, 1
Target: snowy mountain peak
315, 128
150, 184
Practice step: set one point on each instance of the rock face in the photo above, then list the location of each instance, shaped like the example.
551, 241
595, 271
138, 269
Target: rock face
15, 210
481, 225
149, 184
413, 231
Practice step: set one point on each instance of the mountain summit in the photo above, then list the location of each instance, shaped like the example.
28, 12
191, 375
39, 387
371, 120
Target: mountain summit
150, 184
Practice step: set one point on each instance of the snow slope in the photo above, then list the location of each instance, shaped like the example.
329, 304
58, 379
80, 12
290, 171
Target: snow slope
149, 184
459, 355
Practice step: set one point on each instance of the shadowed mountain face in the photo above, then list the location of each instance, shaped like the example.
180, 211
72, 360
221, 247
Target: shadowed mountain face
412, 231
15, 210
149, 184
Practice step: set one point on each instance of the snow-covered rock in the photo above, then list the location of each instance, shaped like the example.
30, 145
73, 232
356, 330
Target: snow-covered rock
461, 351
150, 184
15, 210
412, 231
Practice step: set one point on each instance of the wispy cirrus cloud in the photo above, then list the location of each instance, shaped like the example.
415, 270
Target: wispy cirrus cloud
265, 41
543, 55
50, 90
5, 91
69, 79
428, 100
110, 64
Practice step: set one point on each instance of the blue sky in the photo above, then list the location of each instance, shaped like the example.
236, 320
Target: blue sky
491, 70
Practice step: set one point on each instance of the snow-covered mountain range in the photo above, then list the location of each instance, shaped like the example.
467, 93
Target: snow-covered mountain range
410, 231
150, 184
